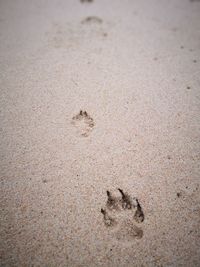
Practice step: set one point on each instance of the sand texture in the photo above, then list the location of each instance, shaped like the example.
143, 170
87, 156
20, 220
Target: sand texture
100, 133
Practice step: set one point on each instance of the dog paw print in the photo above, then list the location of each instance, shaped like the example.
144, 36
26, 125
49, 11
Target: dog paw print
122, 216
86, 1
83, 123
92, 20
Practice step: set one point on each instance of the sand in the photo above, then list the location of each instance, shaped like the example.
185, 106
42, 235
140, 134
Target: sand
97, 96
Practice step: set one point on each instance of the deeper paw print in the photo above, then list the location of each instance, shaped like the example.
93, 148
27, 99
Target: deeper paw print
121, 216
83, 123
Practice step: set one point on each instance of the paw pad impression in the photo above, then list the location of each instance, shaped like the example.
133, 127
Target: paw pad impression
83, 122
121, 216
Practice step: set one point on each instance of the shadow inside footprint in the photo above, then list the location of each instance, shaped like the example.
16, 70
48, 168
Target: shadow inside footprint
126, 200
112, 202
108, 220
118, 216
139, 214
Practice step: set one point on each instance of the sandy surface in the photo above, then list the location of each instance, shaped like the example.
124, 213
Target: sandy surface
134, 67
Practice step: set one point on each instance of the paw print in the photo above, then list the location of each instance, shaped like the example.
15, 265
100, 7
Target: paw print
83, 123
122, 216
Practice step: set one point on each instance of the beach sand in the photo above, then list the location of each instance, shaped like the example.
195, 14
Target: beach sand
98, 96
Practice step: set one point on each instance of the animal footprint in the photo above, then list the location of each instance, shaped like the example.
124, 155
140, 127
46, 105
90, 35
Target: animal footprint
83, 123
86, 1
121, 216
92, 20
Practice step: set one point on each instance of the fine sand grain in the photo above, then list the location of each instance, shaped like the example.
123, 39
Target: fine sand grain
100, 133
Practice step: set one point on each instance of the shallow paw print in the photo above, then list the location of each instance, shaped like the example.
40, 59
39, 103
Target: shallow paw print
121, 216
83, 123
92, 20
86, 1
